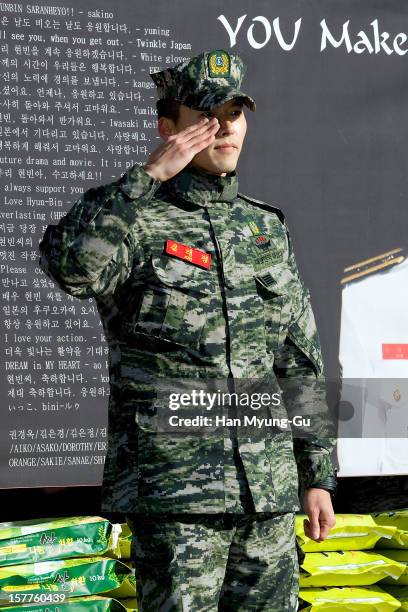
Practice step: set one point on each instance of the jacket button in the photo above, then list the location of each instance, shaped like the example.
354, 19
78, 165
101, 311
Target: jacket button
397, 395
228, 283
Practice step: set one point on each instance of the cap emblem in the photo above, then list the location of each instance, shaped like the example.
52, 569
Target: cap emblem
219, 64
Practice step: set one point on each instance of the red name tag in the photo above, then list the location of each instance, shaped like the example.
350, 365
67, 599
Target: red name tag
188, 253
395, 351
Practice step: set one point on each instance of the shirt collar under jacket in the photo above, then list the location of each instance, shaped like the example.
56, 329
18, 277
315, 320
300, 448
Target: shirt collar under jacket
200, 187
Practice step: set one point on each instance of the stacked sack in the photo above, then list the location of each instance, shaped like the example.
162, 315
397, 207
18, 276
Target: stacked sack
357, 567
47, 565
396, 549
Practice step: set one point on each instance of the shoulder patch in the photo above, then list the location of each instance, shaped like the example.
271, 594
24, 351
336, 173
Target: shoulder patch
264, 205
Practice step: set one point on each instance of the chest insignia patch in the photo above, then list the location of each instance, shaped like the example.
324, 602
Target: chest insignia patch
255, 231
266, 252
262, 242
188, 253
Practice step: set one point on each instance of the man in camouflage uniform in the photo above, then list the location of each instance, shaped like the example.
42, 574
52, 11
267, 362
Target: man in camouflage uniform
196, 281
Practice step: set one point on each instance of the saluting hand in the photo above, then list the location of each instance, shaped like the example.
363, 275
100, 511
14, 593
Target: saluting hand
179, 149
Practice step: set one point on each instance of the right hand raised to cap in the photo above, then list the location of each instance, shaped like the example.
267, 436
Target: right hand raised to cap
179, 149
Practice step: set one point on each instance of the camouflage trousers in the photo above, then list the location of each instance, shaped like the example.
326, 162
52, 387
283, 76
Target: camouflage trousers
215, 563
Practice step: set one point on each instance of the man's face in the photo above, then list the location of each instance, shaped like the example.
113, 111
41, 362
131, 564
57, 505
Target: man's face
221, 156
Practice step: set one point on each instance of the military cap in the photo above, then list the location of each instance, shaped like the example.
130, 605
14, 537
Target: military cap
204, 82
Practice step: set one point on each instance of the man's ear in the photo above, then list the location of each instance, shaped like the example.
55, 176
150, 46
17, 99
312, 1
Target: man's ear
166, 128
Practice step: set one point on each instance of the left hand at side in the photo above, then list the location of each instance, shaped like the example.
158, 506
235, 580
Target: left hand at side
318, 506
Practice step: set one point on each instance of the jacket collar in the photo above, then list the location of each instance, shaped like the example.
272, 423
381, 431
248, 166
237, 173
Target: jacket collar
199, 187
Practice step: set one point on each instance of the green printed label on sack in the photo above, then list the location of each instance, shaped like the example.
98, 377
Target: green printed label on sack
60, 538
93, 603
71, 577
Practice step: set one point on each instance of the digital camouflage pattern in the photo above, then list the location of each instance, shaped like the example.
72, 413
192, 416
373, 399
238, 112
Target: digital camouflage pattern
248, 316
231, 563
204, 82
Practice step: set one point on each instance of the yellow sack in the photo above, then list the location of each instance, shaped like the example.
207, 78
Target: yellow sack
125, 541
347, 568
397, 519
122, 551
400, 593
402, 557
351, 532
129, 604
349, 599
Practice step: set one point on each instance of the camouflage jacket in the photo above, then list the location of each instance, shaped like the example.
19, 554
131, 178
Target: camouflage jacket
242, 312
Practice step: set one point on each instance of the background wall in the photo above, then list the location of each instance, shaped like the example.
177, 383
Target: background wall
327, 144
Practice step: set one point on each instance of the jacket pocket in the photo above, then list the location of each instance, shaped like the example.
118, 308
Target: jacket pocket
275, 286
279, 449
303, 334
175, 301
